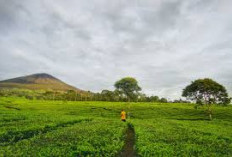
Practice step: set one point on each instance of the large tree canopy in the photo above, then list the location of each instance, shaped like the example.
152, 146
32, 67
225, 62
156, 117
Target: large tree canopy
207, 92
128, 86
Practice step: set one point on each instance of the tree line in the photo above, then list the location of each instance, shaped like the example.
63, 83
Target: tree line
72, 95
203, 92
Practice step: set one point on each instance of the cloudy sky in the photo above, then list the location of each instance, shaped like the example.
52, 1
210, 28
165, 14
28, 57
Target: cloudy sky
164, 44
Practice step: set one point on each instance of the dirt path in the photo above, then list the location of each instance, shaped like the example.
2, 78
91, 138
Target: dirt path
128, 148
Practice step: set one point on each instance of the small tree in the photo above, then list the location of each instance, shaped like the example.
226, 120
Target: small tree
107, 95
163, 100
128, 87
154, 98
206, 92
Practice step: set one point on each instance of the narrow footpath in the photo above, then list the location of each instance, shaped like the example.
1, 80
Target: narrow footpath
128, 148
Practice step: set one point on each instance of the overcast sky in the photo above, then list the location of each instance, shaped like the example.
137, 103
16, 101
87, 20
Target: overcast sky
164, 44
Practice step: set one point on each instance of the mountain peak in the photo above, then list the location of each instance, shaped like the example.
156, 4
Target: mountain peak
42, 81
34, 78
42, 75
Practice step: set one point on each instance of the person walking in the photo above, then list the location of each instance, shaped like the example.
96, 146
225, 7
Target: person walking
123, 115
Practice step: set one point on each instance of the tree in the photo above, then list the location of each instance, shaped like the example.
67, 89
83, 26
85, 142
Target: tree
206, 92
128, 87
181, 101
117, 95
70, 95
163, 100
107, 95
154, 98
142, 97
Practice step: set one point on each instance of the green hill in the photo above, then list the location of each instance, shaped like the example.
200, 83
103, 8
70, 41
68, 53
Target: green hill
40, 81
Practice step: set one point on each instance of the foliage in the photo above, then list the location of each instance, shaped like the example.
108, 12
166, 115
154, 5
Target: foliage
129, 87
71, 95
207, 92
48, 128
181, 101
164, 100
90, 128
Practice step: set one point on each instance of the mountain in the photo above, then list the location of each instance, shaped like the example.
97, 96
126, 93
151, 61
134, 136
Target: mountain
41, 81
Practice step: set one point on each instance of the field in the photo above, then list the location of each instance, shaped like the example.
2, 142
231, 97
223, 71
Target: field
60, 128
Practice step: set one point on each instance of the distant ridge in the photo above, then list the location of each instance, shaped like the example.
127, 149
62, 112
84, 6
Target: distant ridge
40, 81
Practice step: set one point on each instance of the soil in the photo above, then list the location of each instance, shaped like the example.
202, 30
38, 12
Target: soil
128, 148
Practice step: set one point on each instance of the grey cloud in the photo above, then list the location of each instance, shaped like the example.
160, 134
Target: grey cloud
91, 44
9, 14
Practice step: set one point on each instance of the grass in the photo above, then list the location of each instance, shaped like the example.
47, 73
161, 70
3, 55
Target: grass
57, 128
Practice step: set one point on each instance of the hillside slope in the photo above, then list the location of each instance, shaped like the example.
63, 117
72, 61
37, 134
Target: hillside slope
40, 81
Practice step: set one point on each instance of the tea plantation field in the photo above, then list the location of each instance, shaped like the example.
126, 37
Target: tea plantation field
59, 128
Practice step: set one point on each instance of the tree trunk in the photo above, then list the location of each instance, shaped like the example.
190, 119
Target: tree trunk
210, 116
128, 113
210, 112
